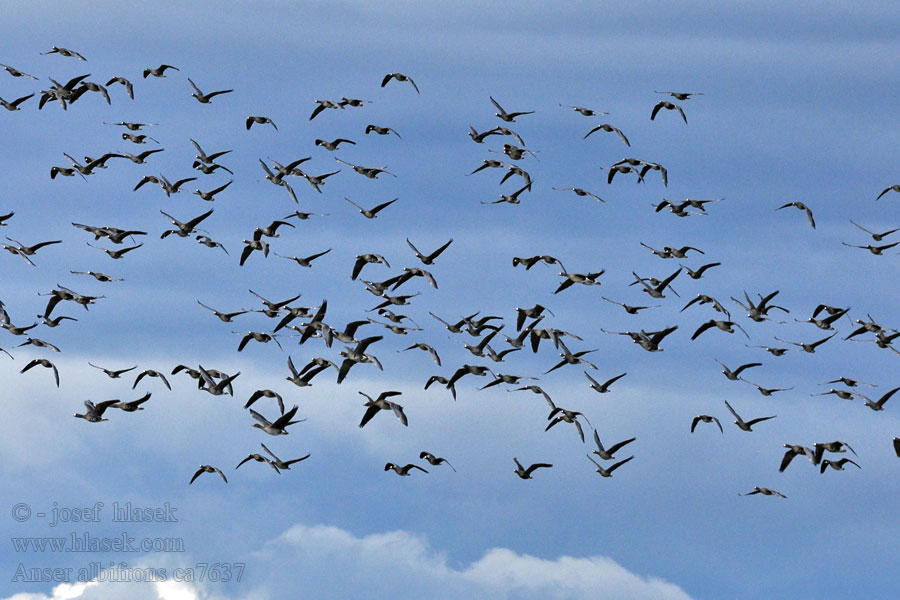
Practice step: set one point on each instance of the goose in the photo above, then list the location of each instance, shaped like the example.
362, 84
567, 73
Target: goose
766, 391
580, 192
608, 453
609, 129
506, 116
14, 104
404, 470
705, 419
510, 198
878, 405
251, 120
608, 471
5, 218
876, 250
603, 388
208, 469
322, 105
141, 159
116, 254
803, 207
333, 144
209, 242
848, 382
890, 188
370, 172
205, 98
679, 210
505, 378
842, 394
129, 88
826, 323
657, 291
423, 346
631, 310
64, 172
652, 166
435, 460
517, 170
735, 374
130, 125
381, 130
726, 326
159, 71
479, 137
524, 473
356, 355
429, 258
224, 317
251, 246
746, 425
771, 350
258, 458
90, 86
304, 215
16, 72
704, 299
168, 187
284, 465
488, 164
764, 491
515, 153
587, 112
372, 212
55, 322
279, 425
399, 77
64, 52
26, 251
576, 358
355, 102
43, 362
792, 451
303, 378
18, 330
138, 138
38, 343
562, 415
132, 405
209, 169
837, 465
270, 230
113, 373
680, 96
699, 272
808, 347
258, 336
374, 405
875, 236
94, 412
498, 356
836, 446
668, 106
305, 261
151, 373
365, 259
204, 157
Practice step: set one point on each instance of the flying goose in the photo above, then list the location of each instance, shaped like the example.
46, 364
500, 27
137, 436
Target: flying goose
764, 491
132, 405
333, 145
705, 419
284, 465
260, 459
745, 425
381, 130
371, 213
668, 106
205, 98
279, 425
251, 120
150, 373
16, 72
792, 451
435, 460
608, 453
94, 412
631, 310
43, 362
609, 129
890, 188
524, 473
159, 71
399, 77
603, 388
876, 405
382, 403
803, 207
63, 52
208, 469
404, 470
505, 116
608, 471
14, 104
113, 373
837, 465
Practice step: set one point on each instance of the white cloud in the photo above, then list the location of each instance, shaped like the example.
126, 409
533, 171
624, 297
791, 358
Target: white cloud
322, 561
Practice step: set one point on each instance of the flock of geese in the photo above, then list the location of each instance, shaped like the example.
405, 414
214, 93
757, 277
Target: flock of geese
487, 337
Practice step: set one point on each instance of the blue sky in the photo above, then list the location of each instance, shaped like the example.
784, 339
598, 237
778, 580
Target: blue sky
797, 105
